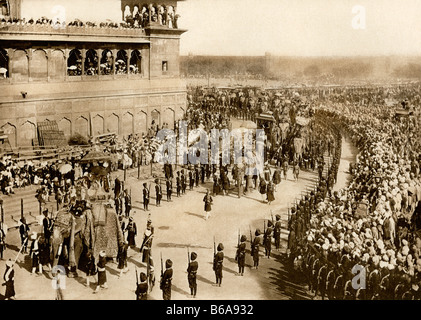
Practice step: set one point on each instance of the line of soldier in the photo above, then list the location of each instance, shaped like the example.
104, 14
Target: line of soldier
273, 230
330, 274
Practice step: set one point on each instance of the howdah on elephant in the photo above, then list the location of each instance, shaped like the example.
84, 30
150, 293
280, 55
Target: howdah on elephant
87, 225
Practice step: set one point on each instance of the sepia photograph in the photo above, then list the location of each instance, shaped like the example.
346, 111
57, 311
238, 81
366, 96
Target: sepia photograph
228, 151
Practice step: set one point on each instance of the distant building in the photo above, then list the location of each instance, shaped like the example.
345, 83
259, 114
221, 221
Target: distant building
89, 77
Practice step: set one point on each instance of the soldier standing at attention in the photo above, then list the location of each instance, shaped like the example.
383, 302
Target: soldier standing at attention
102, 273
277, 232
34, 253
24, 231
9, 279
47, 224
183, 182
218, 264
142, 287
267, 239
178, 183
145, 197
169, 190
192, 274
196, 175
127, 202
122, 258
240, 256
191, 180
158, 192
208, 204
166, 279
255, 248
131, 233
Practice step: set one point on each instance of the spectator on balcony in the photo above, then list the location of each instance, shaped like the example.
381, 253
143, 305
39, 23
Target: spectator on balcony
127, 13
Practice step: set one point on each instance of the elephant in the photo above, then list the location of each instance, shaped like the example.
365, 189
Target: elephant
84, 227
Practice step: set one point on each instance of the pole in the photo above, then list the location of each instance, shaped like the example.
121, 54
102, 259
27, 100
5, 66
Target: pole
21, 208
2, 211
138, 168
17, 256
125, 169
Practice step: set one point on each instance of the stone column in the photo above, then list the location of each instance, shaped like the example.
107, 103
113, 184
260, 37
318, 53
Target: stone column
29, 55
114, 52
66, 57
9, 62
47, 55
129, 55
99, 54
83, 61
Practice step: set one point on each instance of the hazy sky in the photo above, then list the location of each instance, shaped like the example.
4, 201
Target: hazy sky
281, 27
300, 27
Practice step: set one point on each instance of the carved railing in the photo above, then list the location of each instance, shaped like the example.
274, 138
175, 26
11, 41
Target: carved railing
8, 27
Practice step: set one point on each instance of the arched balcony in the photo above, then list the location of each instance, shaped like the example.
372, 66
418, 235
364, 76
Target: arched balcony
121, 63
74, 63
4, 64
91, 63
136, 62
107, 63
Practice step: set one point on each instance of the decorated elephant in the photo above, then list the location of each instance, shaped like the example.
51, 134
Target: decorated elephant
86, 225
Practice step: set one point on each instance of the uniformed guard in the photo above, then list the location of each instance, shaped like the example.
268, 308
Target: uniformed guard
158, 192
146, 196
202, 173
208, 204
122, 258
314, 275
330, 282
374, 283
131, 232
142, 287
47, 224
146, 247
3, 230
267, 239
102, 273
191, 179
196, 175
277, 232
178, 184
166, 280
218, 261
255, 248
183, 182
240, 255
169, 189
9, 279
34, 254
24, 233
192, 274
321, 281
127, 202
151, 273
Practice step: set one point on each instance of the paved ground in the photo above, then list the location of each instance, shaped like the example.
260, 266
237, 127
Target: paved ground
178, 225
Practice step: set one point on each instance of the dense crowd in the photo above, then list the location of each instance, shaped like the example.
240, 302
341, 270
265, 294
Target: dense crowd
373, 223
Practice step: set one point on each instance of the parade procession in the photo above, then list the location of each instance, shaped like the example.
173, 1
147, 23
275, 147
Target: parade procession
121, 182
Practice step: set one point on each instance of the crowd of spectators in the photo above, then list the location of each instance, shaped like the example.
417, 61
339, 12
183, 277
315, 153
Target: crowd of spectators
374, 222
